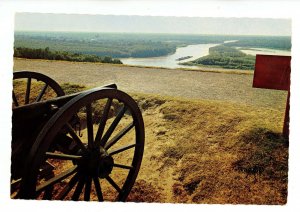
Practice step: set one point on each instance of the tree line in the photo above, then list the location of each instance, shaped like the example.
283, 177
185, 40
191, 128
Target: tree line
29, 53
275, 42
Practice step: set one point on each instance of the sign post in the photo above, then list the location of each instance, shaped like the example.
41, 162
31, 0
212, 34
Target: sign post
273, 72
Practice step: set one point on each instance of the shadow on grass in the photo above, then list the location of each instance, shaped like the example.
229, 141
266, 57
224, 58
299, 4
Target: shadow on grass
265, 153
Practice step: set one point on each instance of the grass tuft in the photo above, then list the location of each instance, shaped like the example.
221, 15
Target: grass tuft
143, 191
70, 88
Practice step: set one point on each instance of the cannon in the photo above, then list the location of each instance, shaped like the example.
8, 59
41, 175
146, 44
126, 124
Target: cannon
85, 146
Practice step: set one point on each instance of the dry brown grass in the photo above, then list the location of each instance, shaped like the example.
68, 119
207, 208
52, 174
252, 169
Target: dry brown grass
210, 152
225, 153
20, 89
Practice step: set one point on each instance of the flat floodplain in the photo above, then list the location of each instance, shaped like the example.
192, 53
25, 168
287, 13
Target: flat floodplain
210, 136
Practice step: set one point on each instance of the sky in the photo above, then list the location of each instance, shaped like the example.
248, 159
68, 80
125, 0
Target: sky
151, 24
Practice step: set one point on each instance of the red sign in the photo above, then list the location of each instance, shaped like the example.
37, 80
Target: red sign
272, 72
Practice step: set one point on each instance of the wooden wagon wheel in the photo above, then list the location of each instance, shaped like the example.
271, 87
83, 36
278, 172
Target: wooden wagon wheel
28, 87
41, 83
107, 158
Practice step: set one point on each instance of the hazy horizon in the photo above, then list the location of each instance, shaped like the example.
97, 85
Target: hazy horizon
158, 33
46, 22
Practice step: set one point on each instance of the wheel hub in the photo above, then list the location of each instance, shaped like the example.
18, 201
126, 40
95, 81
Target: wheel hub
96, 162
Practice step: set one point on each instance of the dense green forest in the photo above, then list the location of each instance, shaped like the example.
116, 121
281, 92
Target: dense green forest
60, 55
226, 57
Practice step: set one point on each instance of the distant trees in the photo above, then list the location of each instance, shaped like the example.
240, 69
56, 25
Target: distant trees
107, 44
152, 52
226, 57
271, 42
61, 55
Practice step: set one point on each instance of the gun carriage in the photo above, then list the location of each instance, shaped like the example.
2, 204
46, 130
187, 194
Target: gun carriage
82, 146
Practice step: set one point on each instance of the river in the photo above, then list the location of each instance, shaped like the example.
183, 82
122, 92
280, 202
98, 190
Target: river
193, 52
170, 61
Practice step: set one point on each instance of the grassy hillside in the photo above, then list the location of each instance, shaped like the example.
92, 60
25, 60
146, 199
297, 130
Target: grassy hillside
206, 151
224, 153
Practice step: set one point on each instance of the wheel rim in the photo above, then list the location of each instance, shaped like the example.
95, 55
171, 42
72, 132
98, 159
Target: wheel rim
45, 87
103, 163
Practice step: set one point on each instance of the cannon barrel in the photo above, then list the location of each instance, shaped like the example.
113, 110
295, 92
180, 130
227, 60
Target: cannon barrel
27, 122
38, 109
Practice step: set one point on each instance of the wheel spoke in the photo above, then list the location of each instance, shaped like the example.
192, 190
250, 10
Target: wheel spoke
56, 179
113, 126
48, 193
102, 123
121, 149
123, 166
15, 100
75, 137
27, 90
51, 155
87, 191
68, 187
119, 136
89, 121
39, 97
98, 189
78, 189
15, 184
112, 182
